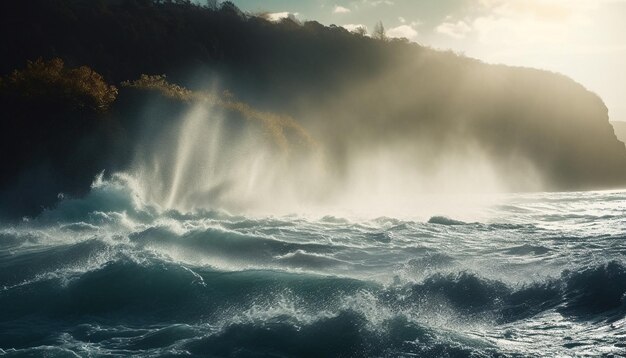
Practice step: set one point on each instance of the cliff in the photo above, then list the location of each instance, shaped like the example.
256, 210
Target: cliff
350, 93
620, 130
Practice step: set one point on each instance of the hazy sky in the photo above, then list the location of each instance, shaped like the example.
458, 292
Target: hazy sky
584, 39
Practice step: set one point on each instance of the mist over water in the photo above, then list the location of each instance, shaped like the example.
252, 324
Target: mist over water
207, 160
210, 159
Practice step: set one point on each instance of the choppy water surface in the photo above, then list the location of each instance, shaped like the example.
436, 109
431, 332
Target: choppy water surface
533, 275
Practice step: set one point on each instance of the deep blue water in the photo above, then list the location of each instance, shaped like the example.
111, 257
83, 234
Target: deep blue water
522, 275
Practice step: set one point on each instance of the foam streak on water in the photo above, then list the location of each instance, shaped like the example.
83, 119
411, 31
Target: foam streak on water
533, 275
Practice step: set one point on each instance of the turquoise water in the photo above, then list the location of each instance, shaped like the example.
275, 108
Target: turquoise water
521, 275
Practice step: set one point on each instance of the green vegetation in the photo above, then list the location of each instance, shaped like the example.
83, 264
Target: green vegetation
277, 126
50, 80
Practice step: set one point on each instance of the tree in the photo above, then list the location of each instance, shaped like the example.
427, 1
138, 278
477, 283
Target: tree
360, 30
79, 87
211, 4
379, 31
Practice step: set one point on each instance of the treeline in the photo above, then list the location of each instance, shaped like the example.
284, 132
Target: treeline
123, 38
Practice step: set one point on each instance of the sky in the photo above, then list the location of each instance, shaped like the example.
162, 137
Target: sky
583, 39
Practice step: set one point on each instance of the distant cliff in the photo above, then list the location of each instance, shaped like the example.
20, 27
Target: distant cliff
351, 94
620, 130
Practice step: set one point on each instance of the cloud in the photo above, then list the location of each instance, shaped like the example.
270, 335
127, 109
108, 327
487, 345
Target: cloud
521, 24
458, 29
529, 22
341, 10
277, 16
540, 10
403, 31
354, 27
377, 2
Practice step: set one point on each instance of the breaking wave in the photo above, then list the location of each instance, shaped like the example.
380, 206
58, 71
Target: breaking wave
110, 274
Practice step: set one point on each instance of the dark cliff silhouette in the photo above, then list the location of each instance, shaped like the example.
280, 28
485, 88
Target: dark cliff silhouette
620, 130
349, 92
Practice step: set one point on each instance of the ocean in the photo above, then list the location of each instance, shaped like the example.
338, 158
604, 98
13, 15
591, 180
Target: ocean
519, 275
